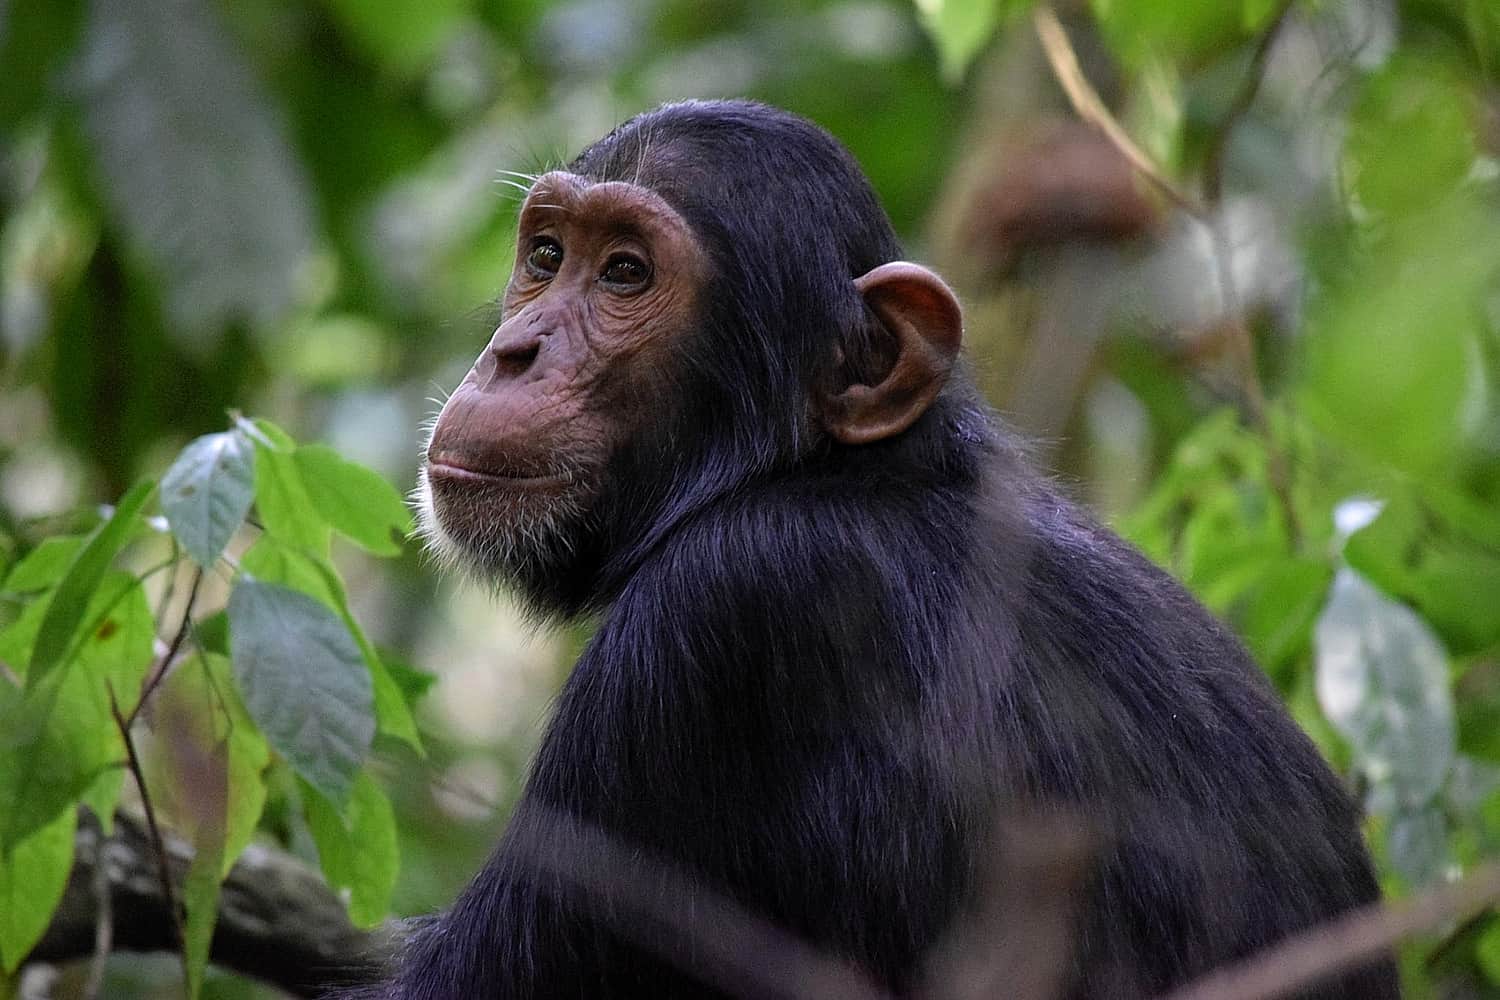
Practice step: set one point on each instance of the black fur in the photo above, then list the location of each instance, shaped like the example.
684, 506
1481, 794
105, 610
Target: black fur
823, 674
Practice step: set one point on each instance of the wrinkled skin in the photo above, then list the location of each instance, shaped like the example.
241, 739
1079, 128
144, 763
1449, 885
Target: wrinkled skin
607, 275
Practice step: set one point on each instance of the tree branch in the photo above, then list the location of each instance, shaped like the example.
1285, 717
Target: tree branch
278, 922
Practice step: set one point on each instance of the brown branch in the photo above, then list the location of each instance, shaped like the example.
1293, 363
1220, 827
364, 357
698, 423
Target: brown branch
163, 870
278, 921
159, 672
1090, 107
1362, 936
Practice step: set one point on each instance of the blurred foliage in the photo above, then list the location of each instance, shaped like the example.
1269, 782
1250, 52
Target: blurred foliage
299, 207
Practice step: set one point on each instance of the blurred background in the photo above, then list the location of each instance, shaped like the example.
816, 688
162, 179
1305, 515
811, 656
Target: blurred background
1267, 351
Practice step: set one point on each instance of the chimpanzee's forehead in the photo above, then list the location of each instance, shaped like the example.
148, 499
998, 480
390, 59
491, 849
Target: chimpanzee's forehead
584, 200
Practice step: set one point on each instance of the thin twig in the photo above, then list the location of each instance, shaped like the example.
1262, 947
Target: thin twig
1218, 143
154, 679
1090, 107
158, 844
1364, 935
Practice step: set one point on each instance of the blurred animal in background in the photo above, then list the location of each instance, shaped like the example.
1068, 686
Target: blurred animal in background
871, 709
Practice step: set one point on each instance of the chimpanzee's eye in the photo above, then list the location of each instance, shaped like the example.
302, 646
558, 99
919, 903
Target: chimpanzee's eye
545, 258
626, 271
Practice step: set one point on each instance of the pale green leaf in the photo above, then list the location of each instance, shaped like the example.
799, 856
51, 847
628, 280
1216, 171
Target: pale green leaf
1382, 680
207, 493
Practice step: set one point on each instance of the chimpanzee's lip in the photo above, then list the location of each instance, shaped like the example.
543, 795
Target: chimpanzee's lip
452, 469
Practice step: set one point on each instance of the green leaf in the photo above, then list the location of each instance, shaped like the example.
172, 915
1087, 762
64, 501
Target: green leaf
200, 900
44, 565
207, 493
192, 157
1277, 617
1382, 680
210, 756
103, 797
1139, 30
210, 760
304, 680
286, 511
959, 29
1487, 952
358, 849
57, 738
1390, 360
273, 562
33, 876
65, 612
357, 501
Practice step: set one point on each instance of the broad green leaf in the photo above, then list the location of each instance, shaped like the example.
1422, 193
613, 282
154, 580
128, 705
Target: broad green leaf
44, 565
195, 163
210, 760
1382, 680
357, 847
57, 739
357, 501
33, 875
273, 562
18, 639
286, 510
65, 612
207, 493
304, 680
959, 29
209, 756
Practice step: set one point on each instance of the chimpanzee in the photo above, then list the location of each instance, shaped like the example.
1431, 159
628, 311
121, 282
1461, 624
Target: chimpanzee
845, 637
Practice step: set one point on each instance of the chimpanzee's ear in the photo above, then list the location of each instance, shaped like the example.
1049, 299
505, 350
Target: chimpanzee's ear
920, 316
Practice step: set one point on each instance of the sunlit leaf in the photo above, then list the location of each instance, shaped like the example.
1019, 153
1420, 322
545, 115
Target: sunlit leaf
286, 510
33, 876
304, 680
65, 611
356, 501
58, 737
195, 162
44, 565
1382, 680
357, 847
207, 493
